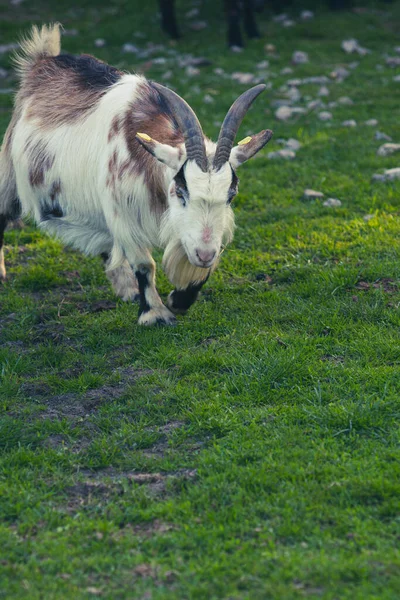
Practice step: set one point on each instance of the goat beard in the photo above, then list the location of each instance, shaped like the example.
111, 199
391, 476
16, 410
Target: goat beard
179, 270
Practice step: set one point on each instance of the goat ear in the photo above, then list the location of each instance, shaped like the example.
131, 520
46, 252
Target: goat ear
249, 147
172, 156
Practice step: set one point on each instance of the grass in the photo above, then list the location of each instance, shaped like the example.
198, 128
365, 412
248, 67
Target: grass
252, 451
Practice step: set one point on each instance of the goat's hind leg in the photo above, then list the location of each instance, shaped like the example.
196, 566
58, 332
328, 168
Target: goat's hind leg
123, 280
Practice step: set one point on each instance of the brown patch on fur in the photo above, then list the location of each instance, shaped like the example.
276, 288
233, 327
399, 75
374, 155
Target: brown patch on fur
56, 96
115, 128
111, 179
41, 162
149, 114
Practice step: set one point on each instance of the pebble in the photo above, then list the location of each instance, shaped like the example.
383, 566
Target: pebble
379, 135
318, 79
236, 49
194, 12
7, 48
280, 18
340, 73
264, 64
283, 113
345, 101
371, 122
388, 149
368, 218
286, 154
332, 202
288, 23
388, 175
219, 71
393, 61
243, 77
325, 115
167, 75
379, 67
352, 46
71, 32
270, 48
323, 91
313, 104
192, 71
300, 58
287, 71
293, 94
294, 82
208, 99
353, 65
292, 144
99, 43
312, 195
306, 15
198, 25
349, 123
130, 48
396, 78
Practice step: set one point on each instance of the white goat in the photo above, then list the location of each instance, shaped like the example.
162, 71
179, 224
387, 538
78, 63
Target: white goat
80, 155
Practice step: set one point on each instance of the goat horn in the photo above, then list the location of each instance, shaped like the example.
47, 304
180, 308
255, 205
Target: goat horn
232, 123
189, 125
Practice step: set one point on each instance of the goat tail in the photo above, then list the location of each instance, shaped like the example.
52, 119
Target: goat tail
38, 44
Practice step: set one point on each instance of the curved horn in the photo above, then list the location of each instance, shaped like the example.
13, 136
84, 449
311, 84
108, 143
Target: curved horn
189, 125
232, 122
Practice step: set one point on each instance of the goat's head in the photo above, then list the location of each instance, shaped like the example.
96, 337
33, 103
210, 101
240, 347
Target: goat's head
205, 181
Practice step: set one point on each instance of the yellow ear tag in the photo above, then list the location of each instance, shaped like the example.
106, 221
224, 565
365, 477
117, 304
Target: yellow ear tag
145, 137
245, 141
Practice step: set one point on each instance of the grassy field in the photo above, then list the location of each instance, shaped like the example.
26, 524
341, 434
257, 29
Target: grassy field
252, 451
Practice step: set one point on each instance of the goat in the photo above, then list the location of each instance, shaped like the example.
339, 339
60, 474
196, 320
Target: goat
233, 12
114, 165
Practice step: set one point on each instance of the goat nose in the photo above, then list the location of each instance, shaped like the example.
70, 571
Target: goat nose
205, 256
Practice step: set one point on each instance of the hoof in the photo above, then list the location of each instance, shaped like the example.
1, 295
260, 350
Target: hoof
157, 316
176, 310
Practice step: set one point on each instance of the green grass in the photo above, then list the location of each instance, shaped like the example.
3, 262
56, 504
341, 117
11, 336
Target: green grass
251, 452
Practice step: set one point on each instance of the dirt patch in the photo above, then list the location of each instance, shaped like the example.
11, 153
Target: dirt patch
338, 360
386, 284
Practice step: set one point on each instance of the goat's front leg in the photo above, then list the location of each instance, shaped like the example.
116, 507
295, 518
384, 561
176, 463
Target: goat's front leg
180, 300
151, 309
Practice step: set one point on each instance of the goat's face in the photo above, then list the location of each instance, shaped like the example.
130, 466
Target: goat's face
199, 211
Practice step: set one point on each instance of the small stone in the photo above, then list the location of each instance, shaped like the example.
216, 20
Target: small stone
293, 144
236, 49
349, 123
371, 122
379, 67
312, 195
287, 71
192, 71
353, 65
332, 202
283, 113
368, 218
280, 18
393, 61
352, 46
167, 75
340, 74
208, 99
288, 23
332, 104
313, 104
306, 15
318, 79
300, 58
378, 177
285, 154
388, 175
264, 64
323, 91
396, 78
325, 115
397, 49
160, 60
293, 94
198, 25
244, 78
219, 71
99, 43
294, 82
345, 101
270, 48
70, 32
130, 48
194, 12
7, 48
388, 149
379, 135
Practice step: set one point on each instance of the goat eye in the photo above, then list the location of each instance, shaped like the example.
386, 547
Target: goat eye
181, 197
